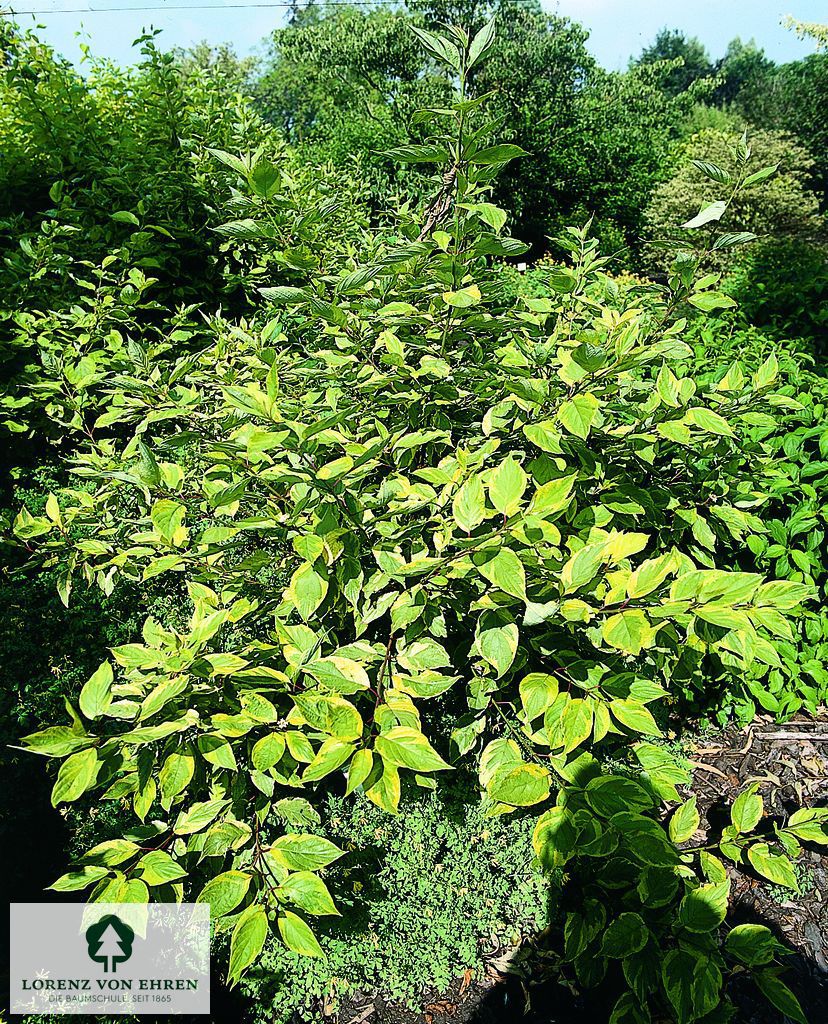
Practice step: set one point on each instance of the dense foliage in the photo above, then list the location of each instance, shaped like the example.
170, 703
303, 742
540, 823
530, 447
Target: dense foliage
341, 80
342, 505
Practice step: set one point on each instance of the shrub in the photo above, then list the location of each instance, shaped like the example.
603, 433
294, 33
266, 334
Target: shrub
783, 284
783, 207
794, 515
418, 524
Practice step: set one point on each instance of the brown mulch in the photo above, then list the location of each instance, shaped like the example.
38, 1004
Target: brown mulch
500, 995
790, 763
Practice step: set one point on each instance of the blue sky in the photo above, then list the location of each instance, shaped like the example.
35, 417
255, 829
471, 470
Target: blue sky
618, 28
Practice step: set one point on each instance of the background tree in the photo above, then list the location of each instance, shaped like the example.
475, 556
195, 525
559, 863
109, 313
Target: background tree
797, 102
743, 69
340, 82
785, 206
673, 46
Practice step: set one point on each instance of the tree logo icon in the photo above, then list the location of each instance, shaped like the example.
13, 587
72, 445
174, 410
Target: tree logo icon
109, 942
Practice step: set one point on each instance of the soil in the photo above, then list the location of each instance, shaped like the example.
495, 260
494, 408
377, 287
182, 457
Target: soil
521, 986
790, 763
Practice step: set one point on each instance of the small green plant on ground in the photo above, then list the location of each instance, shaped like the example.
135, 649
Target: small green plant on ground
420, 525
421, 893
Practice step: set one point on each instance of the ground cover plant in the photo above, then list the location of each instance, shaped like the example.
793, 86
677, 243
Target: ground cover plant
402, 514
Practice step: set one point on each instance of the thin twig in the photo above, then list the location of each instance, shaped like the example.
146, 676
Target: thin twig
816, 737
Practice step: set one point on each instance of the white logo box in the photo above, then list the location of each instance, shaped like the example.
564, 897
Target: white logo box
113, 958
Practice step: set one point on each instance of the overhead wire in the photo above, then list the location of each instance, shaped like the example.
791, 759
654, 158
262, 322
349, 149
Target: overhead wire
10, 11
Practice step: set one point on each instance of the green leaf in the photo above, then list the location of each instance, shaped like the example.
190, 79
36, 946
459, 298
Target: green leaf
482, 42
80, 879
268, 751
383, 786
628, 631
158, 867
709, 421
229, 160
307, 590
552, 497
725, 616
582, 567
359, 770
125, 217
649, 576
96, 695
331, 755
298, 936
779, 995
657, 887
662, 769
747, 809
497, 641
712, 171
198, 816
469, 505
265, 178
488, 213
247, 941
707, 985
545, 435
520, 786
609, 794
767, 372
217, 751
707, 302
775, 867
753, 944
757, 176
537, 691
283, 295
626, 935
675, 431
685, 821
678, 970
224, 892
340, 674
505, 571
408, 748
634, 716
463, 298
175, 775
810, 825
703, 909
304, 852
500, 154
711, 212
168, 518
646, 839
428, 154
507, 483
554, 838
76, 775
730, 239
783, 594
57, 741
308, 892
422, 655
578, 415
576, 724
442, 49
112, 852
